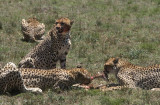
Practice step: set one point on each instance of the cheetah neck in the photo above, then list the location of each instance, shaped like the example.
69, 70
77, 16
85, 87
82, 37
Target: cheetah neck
76, 74
125, 64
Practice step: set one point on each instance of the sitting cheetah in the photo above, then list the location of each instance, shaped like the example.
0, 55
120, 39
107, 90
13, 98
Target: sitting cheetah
32, 30
131, 76
35, 80
53, 48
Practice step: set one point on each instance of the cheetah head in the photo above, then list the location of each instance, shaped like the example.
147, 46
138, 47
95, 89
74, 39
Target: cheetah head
10, 66
33, 21
30, 22
81, 76
111, 66
63, 25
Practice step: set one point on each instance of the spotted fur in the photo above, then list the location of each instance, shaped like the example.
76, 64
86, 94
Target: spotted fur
36, 80
32, 30
11, 79
52, 49
129, 75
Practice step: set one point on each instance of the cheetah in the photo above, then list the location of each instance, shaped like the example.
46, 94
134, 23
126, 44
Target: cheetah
132, 76
52, 49
11, 79
32, 30
36, 80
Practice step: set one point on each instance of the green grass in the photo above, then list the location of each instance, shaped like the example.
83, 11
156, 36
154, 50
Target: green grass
101, 29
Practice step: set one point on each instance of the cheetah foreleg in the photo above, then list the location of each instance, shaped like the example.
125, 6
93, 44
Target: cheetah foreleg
104, 88
63, 62
33, 90
155, 89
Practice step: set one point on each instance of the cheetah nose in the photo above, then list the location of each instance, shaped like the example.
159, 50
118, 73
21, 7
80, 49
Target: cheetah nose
57, 28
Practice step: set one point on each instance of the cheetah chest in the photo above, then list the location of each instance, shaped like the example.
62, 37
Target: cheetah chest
64, 47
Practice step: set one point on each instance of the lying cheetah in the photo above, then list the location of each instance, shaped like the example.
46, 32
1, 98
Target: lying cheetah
35, 80
32, 30
11, 79
131, 76
53, 48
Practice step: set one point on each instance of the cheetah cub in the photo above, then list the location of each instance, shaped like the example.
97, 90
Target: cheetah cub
53, 48
32, 30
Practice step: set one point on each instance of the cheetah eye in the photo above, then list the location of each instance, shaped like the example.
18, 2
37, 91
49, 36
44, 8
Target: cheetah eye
62, 23
56, 23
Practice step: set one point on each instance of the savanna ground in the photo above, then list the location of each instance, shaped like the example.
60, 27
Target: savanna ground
102, 29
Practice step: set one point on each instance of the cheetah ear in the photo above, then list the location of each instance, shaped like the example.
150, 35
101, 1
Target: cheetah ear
72, 21
116, 60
